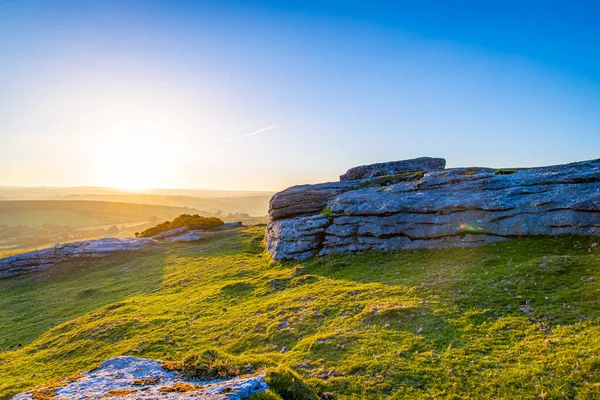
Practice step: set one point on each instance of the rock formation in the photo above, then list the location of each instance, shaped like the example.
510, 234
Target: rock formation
42, 259
184, 234
141, 378
393, 168
422, 205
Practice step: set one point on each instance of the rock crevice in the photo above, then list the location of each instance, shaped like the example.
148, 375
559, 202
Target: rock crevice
432, 207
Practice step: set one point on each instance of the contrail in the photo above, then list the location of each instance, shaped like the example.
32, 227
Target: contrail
253, 133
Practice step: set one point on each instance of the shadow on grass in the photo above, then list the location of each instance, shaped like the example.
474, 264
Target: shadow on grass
32, 304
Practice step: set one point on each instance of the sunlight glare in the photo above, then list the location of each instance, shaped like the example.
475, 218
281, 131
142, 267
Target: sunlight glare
134, 162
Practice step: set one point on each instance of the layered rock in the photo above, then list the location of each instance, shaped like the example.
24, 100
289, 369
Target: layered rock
141, 378
42, 259
433, 208
393, 168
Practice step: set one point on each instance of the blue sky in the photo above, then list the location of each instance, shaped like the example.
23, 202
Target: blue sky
263, 95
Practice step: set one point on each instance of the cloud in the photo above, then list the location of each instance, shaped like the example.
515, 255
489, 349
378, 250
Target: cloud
253, 133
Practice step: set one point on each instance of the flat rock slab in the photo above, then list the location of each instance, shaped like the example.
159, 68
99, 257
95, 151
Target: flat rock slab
142, 378
184, 234
425, 164
172, 232
42, 259
188, 236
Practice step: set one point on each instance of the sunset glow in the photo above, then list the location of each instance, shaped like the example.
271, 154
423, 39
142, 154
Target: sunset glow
119, 94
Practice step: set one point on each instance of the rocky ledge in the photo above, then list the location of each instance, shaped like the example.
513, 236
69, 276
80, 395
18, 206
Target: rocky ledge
43, 259
40, 260
418, 204
141, 378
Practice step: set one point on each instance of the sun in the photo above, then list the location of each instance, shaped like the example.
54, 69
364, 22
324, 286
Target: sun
134, 163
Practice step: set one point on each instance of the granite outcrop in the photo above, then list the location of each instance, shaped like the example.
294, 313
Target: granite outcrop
423, 205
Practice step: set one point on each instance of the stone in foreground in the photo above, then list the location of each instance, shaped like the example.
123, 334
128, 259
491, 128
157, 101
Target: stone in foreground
145, 379
433, 208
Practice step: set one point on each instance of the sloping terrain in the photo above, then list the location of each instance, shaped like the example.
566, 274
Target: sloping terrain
518, 319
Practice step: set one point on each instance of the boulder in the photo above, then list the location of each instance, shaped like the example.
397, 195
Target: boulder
145, 379
425, 164
236, 224
435, 209
172, 232
43, 259
188, 236
194, 235
306, 199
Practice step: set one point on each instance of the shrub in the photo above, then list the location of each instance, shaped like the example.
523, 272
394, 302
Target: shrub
187, 220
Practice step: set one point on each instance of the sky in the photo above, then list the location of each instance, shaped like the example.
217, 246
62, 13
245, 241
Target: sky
263, 95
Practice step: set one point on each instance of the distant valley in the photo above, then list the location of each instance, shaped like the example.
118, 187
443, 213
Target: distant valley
39, 216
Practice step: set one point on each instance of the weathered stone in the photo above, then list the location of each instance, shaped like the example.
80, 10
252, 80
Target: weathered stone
425, 164
145, 379
43, 259
304, 234
455, 207
172, 232
187, 236
306, 199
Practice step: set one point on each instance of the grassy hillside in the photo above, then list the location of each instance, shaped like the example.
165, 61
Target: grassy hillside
512, 320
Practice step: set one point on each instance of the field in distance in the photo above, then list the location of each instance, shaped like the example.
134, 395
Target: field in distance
214, 202
29, 224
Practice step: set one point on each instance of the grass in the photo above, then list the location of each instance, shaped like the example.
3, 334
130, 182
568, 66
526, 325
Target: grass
513, 320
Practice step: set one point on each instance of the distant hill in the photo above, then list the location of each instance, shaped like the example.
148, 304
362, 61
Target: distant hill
29, 224
78, 213
254, 203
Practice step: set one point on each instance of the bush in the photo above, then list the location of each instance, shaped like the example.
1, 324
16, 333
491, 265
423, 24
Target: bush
187, 220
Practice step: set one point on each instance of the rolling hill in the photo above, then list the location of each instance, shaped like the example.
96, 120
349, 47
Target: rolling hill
78, 213
518, 319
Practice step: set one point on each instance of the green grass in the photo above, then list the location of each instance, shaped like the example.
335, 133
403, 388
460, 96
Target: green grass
516, 320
